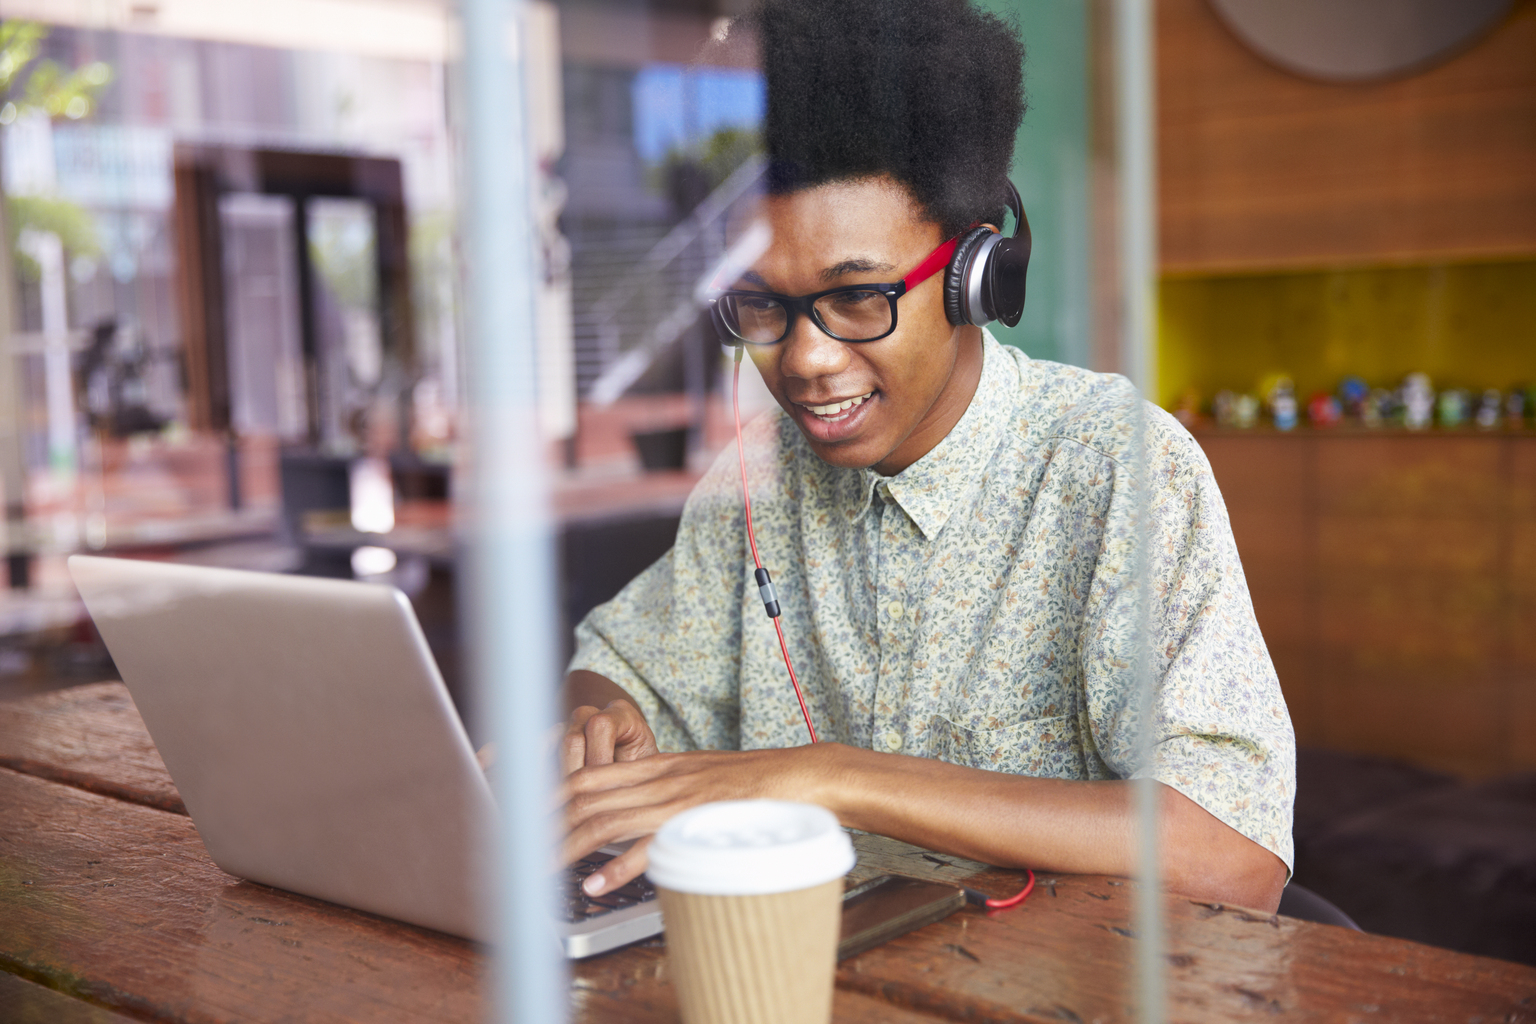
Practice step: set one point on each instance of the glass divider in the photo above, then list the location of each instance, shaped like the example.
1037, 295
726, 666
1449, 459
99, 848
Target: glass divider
510, 564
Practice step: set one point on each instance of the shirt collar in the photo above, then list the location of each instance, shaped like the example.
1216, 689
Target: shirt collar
929, 489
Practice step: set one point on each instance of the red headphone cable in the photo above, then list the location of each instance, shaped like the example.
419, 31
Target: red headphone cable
771, 605
1006, 902
764, 581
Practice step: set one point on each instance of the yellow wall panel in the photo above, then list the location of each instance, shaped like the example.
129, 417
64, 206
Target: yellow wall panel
1470, 325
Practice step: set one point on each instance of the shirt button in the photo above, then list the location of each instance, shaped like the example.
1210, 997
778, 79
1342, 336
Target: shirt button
893, 740
894, 609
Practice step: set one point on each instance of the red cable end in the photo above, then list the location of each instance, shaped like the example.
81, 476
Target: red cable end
1015, 900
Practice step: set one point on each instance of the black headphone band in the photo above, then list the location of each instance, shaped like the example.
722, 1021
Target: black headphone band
1021, 223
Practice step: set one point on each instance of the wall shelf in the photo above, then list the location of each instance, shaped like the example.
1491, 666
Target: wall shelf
1468, 325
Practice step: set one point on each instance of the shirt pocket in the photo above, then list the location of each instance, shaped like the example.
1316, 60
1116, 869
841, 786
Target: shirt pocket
1047, 748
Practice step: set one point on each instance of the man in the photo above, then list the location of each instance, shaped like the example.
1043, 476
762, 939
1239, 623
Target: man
954, 532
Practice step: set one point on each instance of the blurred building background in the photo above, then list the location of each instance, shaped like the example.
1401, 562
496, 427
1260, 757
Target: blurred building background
230, 321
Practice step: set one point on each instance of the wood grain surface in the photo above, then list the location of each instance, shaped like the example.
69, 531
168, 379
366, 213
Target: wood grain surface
1261, 169
22, 1002
117, 904
1067, 955
91, 737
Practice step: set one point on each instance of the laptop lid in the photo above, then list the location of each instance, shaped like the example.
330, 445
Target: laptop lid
308, 730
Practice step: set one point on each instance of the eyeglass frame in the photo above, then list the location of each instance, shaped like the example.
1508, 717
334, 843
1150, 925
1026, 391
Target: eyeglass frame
798, 305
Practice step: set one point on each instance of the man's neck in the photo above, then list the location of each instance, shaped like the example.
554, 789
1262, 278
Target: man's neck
947, 408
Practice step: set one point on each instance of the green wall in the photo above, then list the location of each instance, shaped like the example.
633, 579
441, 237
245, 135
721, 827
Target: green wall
1050, 169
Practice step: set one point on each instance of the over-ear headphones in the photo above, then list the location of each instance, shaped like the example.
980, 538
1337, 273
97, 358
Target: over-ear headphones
985, 278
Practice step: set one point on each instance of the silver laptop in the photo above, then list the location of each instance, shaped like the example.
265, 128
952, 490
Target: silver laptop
315, 746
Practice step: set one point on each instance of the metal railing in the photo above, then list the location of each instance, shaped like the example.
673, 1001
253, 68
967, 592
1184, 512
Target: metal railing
621, 334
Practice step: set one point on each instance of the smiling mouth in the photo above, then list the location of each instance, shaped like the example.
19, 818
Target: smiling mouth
836, 410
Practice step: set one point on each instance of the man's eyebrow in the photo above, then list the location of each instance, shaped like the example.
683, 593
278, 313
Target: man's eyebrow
857, 265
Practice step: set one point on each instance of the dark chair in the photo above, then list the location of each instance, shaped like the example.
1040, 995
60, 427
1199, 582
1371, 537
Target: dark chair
1305, 905
312, 482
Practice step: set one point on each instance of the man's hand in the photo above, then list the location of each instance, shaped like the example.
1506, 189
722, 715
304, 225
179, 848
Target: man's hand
630, 800
604, 725
594, 737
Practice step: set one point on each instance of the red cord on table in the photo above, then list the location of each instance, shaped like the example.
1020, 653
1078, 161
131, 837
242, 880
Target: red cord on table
1017, 898
767, 591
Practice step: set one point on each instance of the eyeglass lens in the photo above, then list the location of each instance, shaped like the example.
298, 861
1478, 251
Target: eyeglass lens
851, 315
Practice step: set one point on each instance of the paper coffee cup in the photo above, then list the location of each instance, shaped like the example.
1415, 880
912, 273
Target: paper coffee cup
751, 893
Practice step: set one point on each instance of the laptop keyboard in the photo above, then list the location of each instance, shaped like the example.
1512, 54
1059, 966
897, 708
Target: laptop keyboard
579, 906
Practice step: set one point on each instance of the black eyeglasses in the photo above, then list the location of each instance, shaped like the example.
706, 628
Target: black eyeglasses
854, 313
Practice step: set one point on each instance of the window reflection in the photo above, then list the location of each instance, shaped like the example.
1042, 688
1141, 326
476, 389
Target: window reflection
238, 331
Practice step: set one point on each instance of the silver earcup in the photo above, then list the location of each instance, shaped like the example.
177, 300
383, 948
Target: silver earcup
974, 275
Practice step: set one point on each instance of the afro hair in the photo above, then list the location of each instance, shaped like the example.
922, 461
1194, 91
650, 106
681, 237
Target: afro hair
930, 92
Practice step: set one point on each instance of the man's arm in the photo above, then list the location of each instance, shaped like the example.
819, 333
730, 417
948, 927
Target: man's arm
588, 689
1001, 819
1052, 824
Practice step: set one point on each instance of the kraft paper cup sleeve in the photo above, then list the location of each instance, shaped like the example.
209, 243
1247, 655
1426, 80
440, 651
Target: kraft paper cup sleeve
751, 892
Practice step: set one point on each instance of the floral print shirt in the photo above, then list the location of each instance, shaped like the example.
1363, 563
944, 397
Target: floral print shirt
985, 606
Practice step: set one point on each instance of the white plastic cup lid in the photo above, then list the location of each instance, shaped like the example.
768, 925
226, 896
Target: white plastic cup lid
749, 848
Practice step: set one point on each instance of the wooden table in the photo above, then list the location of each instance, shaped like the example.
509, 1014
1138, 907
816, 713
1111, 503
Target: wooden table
110, 910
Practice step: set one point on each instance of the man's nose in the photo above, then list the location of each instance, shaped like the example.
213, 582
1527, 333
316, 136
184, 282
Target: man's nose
809, 352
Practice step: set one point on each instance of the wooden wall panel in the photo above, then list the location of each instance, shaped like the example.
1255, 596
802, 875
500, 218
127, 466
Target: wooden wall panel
1261, 169
1394, 577
1409, 630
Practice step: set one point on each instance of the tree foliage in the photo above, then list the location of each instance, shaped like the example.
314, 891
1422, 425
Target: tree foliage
33, 87
29, 84
71, 222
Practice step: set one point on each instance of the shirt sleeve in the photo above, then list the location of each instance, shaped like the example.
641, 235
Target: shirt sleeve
1222, 734
671, 639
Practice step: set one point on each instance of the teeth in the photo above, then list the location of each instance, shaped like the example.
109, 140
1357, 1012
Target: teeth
837, 407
